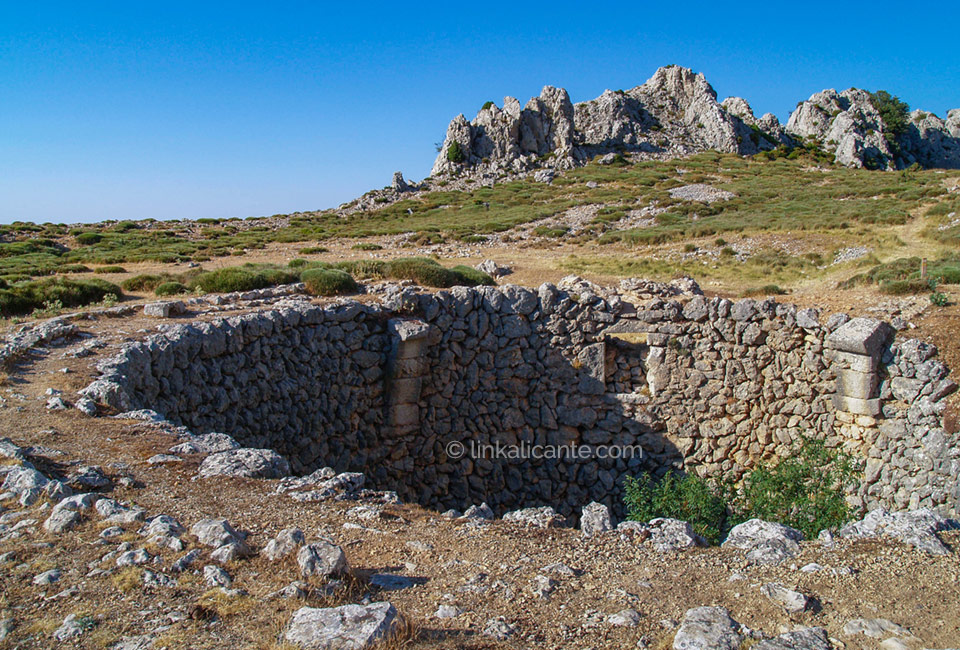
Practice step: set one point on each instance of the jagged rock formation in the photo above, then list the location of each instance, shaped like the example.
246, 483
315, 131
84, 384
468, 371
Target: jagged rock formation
676, 113
848, 125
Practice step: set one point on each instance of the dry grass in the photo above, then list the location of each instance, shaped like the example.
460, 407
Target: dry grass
216, 600
128, 579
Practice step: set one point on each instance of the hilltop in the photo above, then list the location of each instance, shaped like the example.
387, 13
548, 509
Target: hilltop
676, 113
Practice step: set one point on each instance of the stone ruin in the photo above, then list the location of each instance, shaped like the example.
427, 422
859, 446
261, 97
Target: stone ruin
703, 384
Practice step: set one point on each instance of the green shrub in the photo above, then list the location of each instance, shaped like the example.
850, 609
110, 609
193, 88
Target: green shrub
241, 278
471, 277
88, 238
805, 490
455, 153
328, 282
146, 281
313, 250
25, 297
893, 112
110, 269
765, 290
170, 289
367, 246
687, 497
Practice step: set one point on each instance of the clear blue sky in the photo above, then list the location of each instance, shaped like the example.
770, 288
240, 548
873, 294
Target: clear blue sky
172, 110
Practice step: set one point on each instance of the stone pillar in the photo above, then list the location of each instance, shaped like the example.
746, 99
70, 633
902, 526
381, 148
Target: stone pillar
406, 368
854, 350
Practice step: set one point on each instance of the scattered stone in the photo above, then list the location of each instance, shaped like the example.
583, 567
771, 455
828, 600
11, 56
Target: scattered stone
625, 618
765, 542
216, 577
594, 519
296, 589
321, 559
165, 308
47, 577
493, 269
163, 459
285, 543
542, 517
874, 628
162, 525
73, 626
808, 638
498, 629
482, 512
248, 463
208, 443
918, 528
133, 558
185, 561
216, 533
229, 552
708, 628
447, 611
701, 193
543, 586
356, 627
792, 601
155, 579
116, 513
673, 535
391, 582
88, 477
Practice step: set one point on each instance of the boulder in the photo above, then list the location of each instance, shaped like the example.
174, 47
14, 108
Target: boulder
353, 627
321, 559
808, 638
244, 462
542, 517
708, 628
594, 519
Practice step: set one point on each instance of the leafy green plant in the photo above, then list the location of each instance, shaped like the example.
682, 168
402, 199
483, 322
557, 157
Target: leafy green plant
170, 289
805, 490
893, 112
455, 153
679, 496
328, 282
58, 292
937, 298
367, 246
110, 269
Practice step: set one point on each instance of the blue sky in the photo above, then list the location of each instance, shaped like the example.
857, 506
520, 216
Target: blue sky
173, 110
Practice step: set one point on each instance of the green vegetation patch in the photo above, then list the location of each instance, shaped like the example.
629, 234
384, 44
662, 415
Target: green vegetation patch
328, 282
24, 297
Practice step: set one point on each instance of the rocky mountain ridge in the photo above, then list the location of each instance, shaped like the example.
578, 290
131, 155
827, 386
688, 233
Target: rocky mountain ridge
676, 113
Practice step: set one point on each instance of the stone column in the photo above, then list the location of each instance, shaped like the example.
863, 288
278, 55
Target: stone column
406, 368
855, 349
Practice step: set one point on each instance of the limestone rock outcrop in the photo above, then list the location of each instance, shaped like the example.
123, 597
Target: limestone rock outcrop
848, 125
676, 113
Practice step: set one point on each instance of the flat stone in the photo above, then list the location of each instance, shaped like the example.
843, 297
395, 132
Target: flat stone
707, 628
808, 638
350, 627
860, 336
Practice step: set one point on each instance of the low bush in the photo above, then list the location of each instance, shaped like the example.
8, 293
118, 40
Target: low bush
367, 246
328, 282
687, 497
313, 250
765, 290
805, 490
146, 281
88, 238
110, 269
170, 289
25, 297
241, 278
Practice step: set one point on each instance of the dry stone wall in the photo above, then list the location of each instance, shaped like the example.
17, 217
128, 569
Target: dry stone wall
709, 385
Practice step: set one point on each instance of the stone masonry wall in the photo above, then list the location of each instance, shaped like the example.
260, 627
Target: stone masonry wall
708, 385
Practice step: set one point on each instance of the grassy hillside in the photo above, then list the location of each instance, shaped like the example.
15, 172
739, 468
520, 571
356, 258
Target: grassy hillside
803, 197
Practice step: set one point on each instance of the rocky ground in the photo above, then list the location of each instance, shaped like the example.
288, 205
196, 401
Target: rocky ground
116, 532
